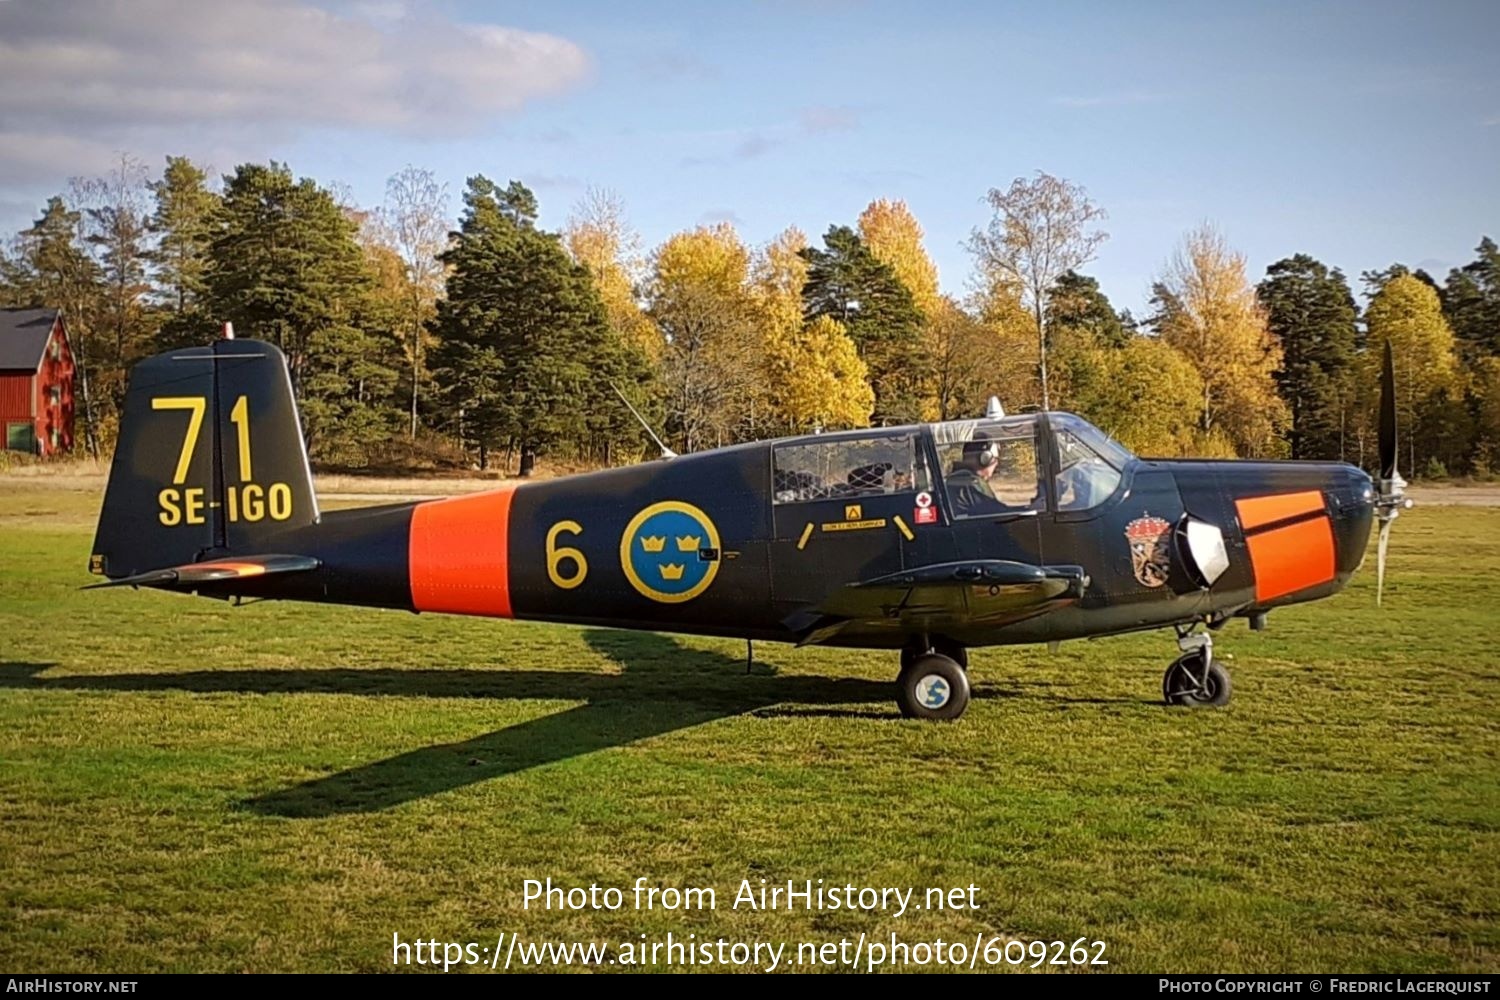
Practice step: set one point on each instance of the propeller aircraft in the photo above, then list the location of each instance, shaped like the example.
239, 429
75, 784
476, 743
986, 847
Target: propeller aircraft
928, 540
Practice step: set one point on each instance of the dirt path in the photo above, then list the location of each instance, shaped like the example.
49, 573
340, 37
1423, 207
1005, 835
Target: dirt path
1480, 495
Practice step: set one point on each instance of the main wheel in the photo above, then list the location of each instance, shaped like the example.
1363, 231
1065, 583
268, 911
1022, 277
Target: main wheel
932, 687
945, 647
1187, 683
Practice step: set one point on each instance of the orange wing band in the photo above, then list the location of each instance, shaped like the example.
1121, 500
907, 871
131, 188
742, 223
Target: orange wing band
1292, 558
458, 555
1257, 511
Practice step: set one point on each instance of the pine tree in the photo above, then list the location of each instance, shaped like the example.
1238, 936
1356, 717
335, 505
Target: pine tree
1471, 302
1075, 304
183, 226
1311, 312
525, 348
352, 399
284, 262
847, 283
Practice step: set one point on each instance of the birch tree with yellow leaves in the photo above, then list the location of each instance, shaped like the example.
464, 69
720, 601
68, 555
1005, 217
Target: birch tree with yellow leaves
712, 348
598, 236
813, 375
1407, 314
1208, 310
894, 236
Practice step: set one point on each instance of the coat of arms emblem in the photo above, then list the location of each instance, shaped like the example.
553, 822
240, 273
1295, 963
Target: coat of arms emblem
1148, 550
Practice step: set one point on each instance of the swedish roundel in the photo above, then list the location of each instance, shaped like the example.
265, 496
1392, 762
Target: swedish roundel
670, 552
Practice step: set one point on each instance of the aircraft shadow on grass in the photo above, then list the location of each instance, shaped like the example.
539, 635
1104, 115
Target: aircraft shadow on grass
662, 688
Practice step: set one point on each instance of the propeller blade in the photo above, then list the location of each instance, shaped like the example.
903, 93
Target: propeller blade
1380, 549
1387, 416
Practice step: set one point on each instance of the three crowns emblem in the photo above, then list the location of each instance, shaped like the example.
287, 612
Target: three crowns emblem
658, 543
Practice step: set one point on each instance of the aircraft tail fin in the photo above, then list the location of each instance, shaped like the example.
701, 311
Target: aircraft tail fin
210, 461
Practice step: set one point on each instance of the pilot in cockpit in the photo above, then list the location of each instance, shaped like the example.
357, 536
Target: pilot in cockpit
969, 487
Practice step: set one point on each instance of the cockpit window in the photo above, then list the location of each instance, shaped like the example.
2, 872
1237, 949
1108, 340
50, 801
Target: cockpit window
1088, 465
849, 467
990, 467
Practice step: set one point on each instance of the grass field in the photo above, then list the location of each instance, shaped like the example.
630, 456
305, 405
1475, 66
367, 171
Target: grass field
187, 786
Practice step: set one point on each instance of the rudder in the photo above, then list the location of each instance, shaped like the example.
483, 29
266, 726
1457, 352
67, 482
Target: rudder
210, 460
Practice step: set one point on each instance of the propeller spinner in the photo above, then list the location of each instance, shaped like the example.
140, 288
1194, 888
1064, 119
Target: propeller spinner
1392, 487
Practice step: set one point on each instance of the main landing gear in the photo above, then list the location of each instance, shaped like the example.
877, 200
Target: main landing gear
933, 683
1195, 679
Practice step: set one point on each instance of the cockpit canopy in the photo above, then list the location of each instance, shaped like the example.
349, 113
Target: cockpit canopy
998, 465
987, 466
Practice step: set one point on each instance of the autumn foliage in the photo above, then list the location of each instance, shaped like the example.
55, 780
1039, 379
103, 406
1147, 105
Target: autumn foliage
490, 336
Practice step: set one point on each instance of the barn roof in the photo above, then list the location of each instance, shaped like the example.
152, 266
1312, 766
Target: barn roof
23, 337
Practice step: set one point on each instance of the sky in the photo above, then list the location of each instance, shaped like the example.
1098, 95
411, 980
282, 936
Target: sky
1362, 132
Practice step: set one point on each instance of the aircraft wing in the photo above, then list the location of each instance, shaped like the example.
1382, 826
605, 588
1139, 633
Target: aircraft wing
989, 592
195, 575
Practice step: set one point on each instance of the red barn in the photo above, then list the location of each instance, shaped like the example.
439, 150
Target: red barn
36, 381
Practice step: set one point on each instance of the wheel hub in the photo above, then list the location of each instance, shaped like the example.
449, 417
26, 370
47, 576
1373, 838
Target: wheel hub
933, 691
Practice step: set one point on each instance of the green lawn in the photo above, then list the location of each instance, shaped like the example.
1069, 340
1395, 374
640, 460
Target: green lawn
188, 786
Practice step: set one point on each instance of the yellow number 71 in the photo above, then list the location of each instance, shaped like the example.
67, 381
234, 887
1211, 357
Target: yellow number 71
196, 405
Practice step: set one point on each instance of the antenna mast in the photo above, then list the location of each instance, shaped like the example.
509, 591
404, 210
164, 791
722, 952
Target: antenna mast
665, 451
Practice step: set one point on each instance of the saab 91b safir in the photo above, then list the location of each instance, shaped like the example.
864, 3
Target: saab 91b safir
928, 539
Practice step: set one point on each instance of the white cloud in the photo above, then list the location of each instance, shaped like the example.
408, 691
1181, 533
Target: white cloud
86, 75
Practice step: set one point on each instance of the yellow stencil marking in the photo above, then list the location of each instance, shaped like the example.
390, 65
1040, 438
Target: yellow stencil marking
806, 534
878, 522
904, 529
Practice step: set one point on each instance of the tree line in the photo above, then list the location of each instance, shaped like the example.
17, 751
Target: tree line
415, 339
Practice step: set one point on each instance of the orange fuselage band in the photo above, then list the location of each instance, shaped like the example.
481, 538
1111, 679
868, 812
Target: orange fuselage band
1295, 556
458, 555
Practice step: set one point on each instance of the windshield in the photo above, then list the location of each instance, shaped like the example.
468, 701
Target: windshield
1089, 464
1102, 444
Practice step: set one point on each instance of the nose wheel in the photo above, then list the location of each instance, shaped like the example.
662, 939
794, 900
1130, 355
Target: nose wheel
1195, 679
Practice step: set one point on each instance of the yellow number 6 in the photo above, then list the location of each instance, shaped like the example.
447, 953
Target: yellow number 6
556, 555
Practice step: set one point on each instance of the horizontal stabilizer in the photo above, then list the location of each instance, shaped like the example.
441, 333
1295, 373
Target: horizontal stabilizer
195, 575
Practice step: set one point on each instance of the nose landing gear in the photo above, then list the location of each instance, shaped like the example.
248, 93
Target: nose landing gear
1195, 679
